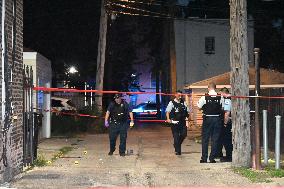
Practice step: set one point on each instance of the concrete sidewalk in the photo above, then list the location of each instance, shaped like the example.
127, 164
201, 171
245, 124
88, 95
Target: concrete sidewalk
152, 164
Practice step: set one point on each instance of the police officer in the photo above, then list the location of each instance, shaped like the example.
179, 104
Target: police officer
176, 113
116, 119
211, 104
226, 135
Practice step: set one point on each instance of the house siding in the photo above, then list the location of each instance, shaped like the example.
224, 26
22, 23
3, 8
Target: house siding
191, 61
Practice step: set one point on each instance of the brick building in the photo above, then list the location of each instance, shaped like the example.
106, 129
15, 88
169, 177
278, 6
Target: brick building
11, 133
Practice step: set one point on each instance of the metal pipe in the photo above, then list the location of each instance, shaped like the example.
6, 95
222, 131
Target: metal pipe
3, 58
46, 128
91, 97
277, 142
257, 127
265, 137
85, 94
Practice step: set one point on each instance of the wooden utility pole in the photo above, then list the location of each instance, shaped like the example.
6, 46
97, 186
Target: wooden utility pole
173, 74
101, 56
240, 83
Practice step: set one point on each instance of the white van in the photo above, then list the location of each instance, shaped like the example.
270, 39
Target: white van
62, 104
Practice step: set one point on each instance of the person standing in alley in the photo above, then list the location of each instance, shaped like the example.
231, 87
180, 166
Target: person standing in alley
176, 113
226, 134
211, 105
116, 119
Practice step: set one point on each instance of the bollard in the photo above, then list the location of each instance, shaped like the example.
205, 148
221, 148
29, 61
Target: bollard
265, 137
277, 142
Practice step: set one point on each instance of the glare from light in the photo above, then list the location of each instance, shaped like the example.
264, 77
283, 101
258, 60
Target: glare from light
72, 70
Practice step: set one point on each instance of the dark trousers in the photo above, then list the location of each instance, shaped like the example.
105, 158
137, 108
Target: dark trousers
225, 140
179, 132
116, 129
211, 128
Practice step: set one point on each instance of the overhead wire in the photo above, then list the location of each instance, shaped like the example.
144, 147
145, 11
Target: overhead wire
159, 15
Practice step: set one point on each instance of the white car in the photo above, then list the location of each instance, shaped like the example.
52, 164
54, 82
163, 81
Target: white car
62, 104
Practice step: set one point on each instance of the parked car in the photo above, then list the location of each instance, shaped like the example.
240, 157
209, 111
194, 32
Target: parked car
62, 104
145, 111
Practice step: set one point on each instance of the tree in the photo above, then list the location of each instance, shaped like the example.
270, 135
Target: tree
101, 55
240, 83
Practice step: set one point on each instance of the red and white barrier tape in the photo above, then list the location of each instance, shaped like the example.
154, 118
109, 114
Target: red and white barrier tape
141, 93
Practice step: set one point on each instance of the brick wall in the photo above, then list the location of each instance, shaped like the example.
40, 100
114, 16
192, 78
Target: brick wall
12, 145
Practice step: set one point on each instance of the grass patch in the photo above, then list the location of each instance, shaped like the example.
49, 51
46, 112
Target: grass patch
40, 161
276, 173
61, 152
252, 175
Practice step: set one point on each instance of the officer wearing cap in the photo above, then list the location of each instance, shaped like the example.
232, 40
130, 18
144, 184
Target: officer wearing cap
176, 113
211, 105
116, 119
226, 134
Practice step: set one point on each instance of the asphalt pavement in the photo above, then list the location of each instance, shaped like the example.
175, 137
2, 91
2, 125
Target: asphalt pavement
150, 162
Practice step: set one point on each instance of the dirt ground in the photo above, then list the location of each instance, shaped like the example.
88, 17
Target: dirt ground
152, 164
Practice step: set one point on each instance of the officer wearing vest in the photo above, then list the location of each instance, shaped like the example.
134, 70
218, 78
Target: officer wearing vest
226, 134
176, 113
211, 104
116, 119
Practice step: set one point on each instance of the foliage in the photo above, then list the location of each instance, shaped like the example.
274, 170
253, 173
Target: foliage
91, 125
69, 125
121, 53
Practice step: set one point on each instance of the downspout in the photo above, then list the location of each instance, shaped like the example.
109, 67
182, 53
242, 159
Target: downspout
3, 61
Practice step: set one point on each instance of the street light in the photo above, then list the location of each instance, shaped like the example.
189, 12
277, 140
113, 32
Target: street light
72, 70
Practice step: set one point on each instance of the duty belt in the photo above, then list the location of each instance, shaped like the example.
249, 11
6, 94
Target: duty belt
217, 115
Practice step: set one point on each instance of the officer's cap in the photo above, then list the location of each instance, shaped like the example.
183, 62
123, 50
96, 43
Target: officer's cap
117, 96
225, 90
178, 91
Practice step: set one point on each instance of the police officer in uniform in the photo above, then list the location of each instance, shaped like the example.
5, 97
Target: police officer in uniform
226, 135
211, 104
176, 113
116, 119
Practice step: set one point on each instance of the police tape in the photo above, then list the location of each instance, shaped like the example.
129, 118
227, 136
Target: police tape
45, 89
57, 112
67, 113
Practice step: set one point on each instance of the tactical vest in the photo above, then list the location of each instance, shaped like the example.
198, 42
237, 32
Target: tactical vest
119, 112
179, 111
212, 105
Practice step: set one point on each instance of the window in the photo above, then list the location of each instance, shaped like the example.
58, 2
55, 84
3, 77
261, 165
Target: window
209, 45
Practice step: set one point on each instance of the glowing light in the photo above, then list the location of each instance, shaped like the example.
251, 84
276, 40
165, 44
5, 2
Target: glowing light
72, 70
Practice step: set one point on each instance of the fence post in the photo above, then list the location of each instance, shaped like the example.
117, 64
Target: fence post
256, 156
277, 142
265, 137
85, 94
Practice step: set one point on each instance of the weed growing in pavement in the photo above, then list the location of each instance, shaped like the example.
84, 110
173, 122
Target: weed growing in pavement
61, 152
40, 161
259, 176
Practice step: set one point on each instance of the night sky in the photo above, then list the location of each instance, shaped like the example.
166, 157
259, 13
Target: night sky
66, 31
63, 30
